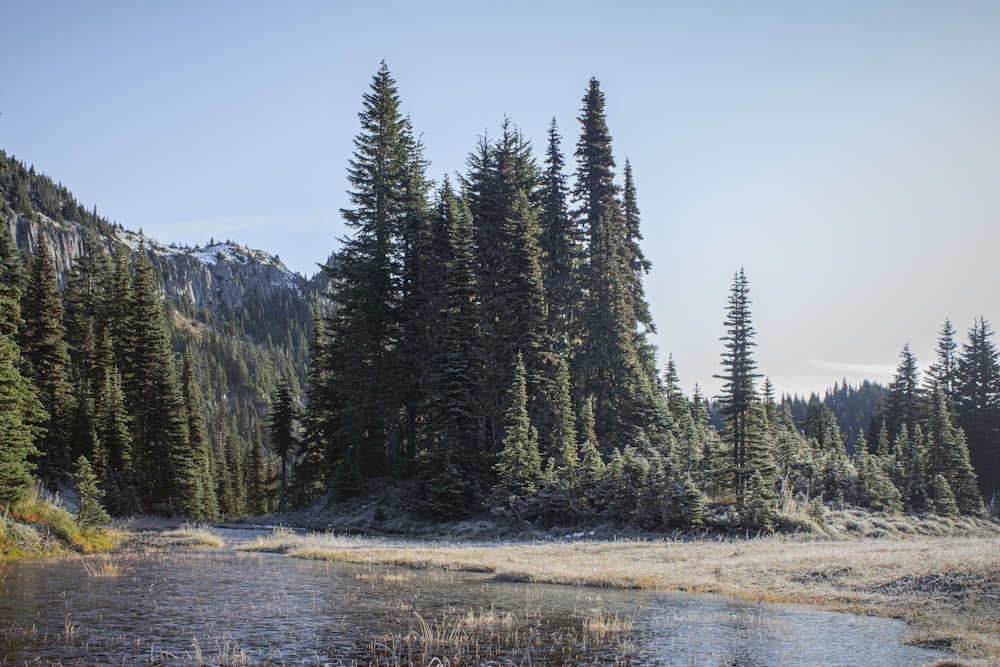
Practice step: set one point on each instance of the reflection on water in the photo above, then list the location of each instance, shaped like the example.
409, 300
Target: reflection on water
220, 607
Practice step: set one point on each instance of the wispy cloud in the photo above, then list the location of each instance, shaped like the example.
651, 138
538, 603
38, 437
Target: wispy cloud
874, 371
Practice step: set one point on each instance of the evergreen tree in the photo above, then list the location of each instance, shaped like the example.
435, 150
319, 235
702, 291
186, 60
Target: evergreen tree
686, 503
591, 466
360, 404
943, 372
903, 400
977, 404
225, 489
563, 447
737, 403
560, 247
875, 490
451, 473
284, 441
21, 413
312, 467
500, 187
947, 455
111, 422
624, 484
910, 454
258, 494
519, 463
153, 397
12, 281
944, 499
633, 255
757, 509
614, 364
86, 302
233, 453
201, 502
43, 342
91, 513
117, 314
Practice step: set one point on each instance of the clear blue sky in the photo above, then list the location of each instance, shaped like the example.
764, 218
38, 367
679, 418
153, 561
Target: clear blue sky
847, 153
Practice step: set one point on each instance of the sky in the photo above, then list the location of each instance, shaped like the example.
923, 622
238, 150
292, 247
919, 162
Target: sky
845, 154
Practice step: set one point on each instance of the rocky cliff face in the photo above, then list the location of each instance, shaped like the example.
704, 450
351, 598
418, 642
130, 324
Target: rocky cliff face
210, 277
65, 240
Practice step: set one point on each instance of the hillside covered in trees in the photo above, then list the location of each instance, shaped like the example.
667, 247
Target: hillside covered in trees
480, 344
155, 363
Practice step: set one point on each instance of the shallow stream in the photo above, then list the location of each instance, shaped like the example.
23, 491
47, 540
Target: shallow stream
224, 607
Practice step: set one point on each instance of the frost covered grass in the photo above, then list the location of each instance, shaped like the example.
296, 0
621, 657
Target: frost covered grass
191, 535
38, 525
944, 580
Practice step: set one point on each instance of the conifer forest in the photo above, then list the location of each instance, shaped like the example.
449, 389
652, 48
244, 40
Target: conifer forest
479, 343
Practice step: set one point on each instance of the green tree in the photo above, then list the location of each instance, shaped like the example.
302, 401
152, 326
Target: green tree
359, 404
944, 370
111, 421
451, 473
944, 499
563, 447
591, 467
284, 440
21, 413
225, 486
633, 256
560, 247
904, 398
21, 419
153, 396
744, 434
258, 493
613, 364
86, 302
977, 404
875, 489
201, 502
43, 342
947, 455
910, 456
757, 509
500, 187
519, 463
91, 513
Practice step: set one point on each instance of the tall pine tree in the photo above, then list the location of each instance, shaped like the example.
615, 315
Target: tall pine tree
152, 394
359, 403
43, 342
744, 434
977, 404
612, 365
21, 413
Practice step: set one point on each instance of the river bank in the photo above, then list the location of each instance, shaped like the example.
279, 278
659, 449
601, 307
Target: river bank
946, 587
168, 605
38, 526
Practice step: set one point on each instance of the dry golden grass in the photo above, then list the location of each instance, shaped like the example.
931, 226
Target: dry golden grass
189, 535
946, 587
105, 568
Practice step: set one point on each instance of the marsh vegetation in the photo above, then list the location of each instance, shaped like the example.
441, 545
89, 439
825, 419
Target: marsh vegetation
348, 602
942, 580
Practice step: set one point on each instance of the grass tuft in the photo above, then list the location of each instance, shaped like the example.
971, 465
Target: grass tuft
192, 535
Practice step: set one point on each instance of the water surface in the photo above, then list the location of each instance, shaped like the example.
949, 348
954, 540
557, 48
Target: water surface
222, 607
